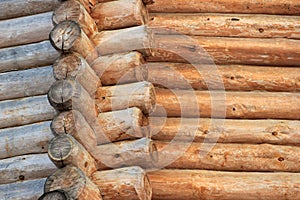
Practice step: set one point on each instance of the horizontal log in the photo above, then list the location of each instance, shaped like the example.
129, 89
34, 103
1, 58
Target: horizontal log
225, 50
27, 56
25, 30
25, 111
125, 183
287, 7
19, 8
28, 139
26, 167
109, 16
119, 97
282, 132
228, 25
228, 157
218, 104
200, 184
25, 190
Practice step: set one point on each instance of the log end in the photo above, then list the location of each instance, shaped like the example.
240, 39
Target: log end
66, 66
55, 195
150, 98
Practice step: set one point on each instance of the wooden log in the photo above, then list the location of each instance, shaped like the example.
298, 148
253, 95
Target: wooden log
67, 36
18, 8
25, 190
225, 50
27, 56
28, 139
65, 150
146, 2
74, 124
25, 30
25, 111
88, 4
119, 68
285, 7
26, 167
282, 132
139, 152
125, 183
228, 25
140, 39
75, 11
228, 77
74, 182
228, 157
25, 83
54, 195
214, 185
141, 95
242, 105
109, 16
70, 95
74, 66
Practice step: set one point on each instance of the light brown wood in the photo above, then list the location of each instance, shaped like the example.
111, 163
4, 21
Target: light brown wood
225, 50
214, 185
120, 68
288, 7
67, 36
283, 132
88, 4
138, 38
120, 14
119, 97
55, 195
75, 11
64, 150
144, 1
74, 66
218, 104
130, 183
74, 182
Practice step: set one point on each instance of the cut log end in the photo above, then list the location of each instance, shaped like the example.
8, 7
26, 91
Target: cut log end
55, 195
67, 65
60, 94
64, 123
60, 149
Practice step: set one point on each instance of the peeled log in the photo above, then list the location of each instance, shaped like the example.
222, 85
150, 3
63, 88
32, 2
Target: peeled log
65, 150
109, 16
228, 157
218, 104
214, 185
282, 132
226, 50
129, 183
120, 97
284, 7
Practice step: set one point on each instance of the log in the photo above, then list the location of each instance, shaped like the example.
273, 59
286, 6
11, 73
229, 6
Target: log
25, 111
140, 39
28, 139
214, 185
64, 150
75, 11
54, 195
88, 4
26, 167
218, 104
146, 2
285, 7
281, 132
18, 8
141, 95
139, 152
228, 77
225, 50
109, 16
119, 68
74, 66
74, 182
125, 183
25, 30
74, 124
25, 83
25, 190
27, 56
67, 36
228, 157
70, 95
228, 25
